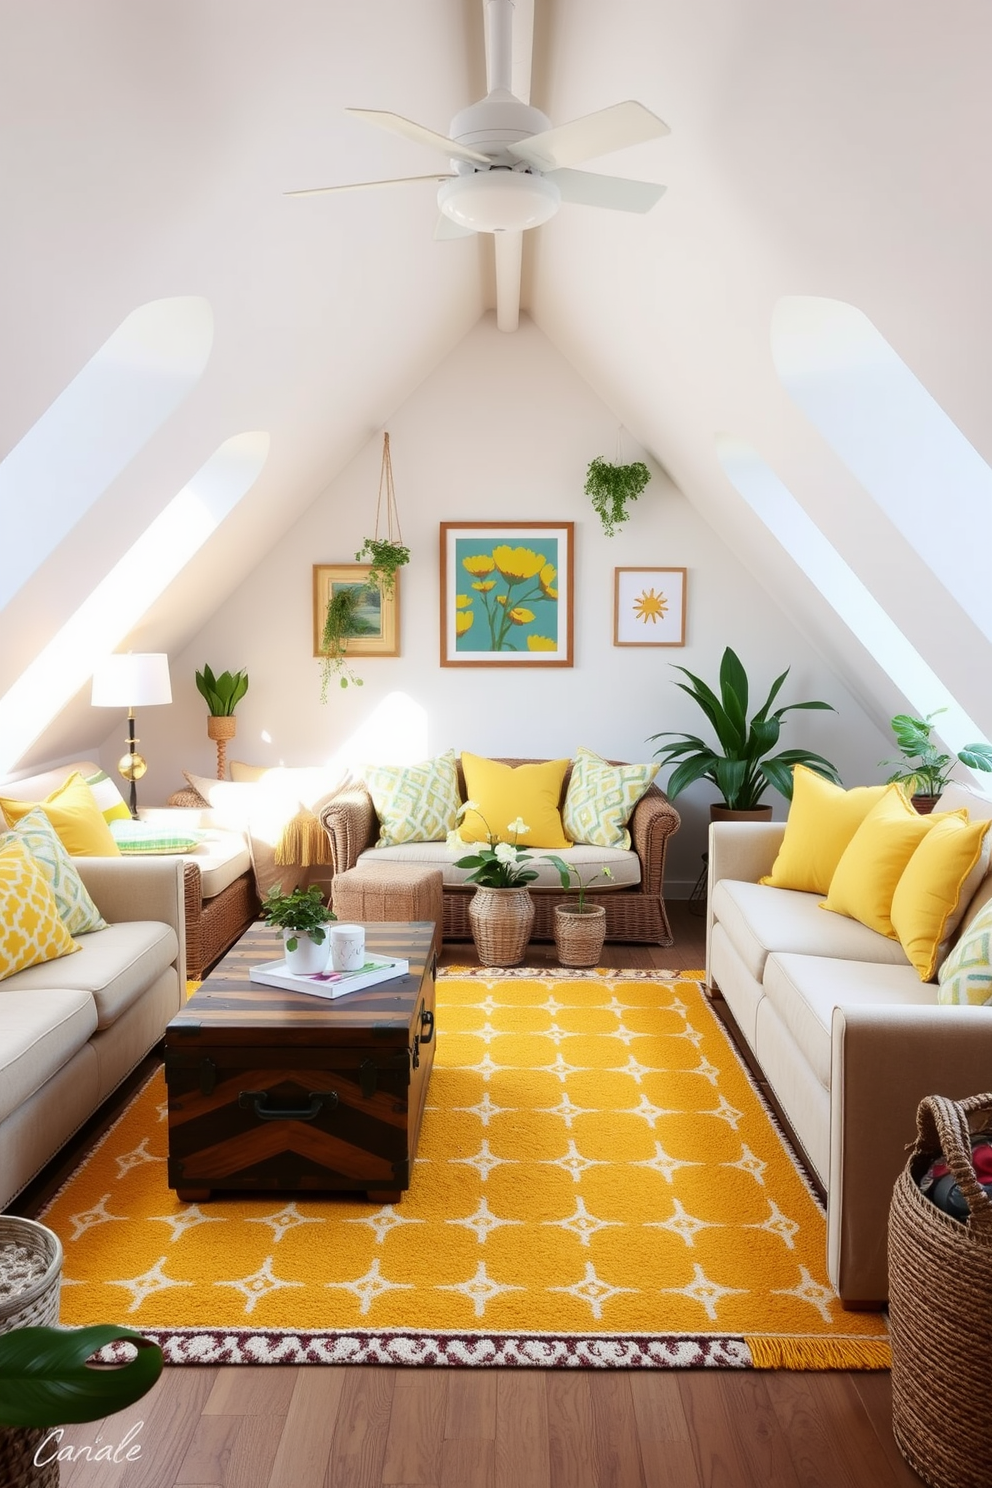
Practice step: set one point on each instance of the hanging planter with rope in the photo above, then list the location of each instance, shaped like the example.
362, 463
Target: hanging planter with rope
612, 486
386, 554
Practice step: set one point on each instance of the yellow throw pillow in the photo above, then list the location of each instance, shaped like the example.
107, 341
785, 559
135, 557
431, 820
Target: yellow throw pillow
505, 794
414, 803
936, 887
601, 798
76, 817
876, 858
31, 930
823, 818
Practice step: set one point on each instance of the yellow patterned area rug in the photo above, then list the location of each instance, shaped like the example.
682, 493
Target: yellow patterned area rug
598, 1184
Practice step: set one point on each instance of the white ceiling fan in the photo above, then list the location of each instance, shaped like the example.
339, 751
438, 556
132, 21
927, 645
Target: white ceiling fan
511, 169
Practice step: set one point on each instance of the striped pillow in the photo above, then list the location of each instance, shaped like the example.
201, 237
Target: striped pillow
142, 837
108, 797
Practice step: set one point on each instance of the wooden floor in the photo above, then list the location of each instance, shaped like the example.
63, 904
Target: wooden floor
366, 1427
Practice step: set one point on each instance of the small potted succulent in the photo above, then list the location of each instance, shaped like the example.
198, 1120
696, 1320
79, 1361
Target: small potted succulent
301, 916
222, 695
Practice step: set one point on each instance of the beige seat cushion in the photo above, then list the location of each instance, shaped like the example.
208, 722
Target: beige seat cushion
804, 990
759, 920
221, 856
624, 866
115, 966
39, 1033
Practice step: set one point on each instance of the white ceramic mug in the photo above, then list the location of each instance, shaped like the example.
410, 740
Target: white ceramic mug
347, 947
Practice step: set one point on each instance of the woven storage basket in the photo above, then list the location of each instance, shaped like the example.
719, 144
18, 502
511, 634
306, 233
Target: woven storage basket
35, 1306
501, 921
940, 1306
579, 937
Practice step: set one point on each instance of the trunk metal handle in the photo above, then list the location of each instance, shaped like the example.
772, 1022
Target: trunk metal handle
257, 1101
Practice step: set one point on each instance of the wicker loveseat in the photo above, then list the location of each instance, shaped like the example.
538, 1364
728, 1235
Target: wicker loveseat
634, 913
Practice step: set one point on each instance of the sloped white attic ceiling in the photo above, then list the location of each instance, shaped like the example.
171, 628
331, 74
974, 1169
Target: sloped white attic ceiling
834, 150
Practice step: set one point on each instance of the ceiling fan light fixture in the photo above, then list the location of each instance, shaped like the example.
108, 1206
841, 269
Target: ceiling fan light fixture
499, 200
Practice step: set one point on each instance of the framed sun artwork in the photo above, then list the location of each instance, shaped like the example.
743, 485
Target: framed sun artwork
649, 606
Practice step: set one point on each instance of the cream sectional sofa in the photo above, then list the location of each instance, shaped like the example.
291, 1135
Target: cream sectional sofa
845, 1033
73, 1028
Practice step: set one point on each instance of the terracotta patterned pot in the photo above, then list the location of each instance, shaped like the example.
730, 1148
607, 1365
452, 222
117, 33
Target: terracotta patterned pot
501, 921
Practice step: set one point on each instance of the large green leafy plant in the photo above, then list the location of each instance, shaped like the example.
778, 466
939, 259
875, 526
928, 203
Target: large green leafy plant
741, 764
924, 769
221, 694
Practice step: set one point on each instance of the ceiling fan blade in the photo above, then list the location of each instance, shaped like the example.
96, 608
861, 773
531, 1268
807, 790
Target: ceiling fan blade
365, 185
608, 129
509, 248
615, 192
444, 228
396, 124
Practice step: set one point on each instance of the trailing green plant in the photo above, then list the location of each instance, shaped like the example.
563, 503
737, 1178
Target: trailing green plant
341, 620
568, 871
221, 694
386, 558
612, 487
742, 765
303, 910
45, 1380
923, 769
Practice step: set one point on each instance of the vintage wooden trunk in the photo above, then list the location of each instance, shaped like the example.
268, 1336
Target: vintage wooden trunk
277, 1091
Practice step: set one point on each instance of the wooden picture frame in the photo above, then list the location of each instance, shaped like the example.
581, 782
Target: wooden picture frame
484, 565
649, 606
383, 611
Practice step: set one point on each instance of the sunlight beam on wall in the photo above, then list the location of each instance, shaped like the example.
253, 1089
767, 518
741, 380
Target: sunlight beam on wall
771, 500
118, 602
96, 426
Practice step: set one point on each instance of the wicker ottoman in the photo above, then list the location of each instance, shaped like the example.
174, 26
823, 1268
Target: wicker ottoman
389, 891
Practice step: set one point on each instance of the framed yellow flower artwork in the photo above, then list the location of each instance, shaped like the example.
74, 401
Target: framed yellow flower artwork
649, 606
507, 594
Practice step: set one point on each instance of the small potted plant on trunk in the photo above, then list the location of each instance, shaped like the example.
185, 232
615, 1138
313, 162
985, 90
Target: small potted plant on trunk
301, 916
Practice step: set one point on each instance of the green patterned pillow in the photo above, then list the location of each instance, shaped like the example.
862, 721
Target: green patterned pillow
108, 797
601, 798
414, 803
43, 845
966, 975
142, 837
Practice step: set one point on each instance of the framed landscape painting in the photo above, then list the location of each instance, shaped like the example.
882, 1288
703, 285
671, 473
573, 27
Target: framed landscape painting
649, 607
507, 594
375, 628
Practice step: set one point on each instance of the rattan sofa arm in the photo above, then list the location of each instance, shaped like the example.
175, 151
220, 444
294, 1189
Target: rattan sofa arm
350, 822
653, 821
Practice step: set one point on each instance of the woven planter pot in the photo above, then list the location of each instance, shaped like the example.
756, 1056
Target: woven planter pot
501, 921
220, 728
35, 1305
579, 935
940, 1308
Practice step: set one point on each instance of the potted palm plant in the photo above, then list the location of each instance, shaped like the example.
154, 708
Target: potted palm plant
222, 695
924, 770
301, 916
741, 763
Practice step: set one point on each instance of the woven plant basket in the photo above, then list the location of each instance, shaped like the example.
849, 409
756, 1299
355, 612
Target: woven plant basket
33, 1306
940, 1306
501, 921
220, 728
579, 937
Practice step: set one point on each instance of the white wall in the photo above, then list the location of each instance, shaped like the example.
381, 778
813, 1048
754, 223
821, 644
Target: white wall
503, 430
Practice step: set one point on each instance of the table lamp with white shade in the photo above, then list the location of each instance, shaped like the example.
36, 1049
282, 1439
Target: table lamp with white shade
134, 679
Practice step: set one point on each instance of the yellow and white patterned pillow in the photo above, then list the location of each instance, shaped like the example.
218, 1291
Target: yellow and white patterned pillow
109, 799
601, 798
414, 803
43, 846
966, 975
30, 928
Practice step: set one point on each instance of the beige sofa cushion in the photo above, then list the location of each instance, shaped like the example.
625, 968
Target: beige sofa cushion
221, 856
114, 966
759, 920
624, 866
39, 1033
804, 990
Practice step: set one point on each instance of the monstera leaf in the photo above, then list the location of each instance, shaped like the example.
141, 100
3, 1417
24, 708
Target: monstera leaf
45, 1380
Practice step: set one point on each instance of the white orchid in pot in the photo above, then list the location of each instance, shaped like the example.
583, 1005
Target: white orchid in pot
501, 912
